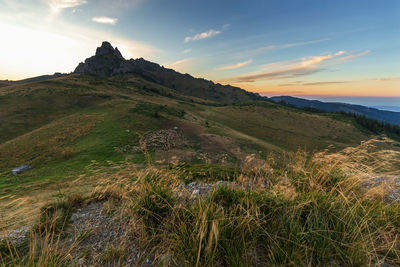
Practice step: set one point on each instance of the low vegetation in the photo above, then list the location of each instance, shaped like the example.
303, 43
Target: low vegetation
299, 211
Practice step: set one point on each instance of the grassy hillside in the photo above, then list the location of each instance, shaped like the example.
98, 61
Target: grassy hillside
63, 125
132, 148
140, 106
288, 128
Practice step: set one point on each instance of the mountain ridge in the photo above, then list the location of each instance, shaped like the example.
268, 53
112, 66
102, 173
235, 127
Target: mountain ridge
373, 113
108, 62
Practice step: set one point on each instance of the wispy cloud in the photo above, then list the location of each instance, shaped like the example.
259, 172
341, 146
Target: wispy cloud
237, 65
203, 35
253, 52
296, 68
186, 51
181, 65
58, 5
355, 56
315, 83
105, 20
387, 79
288, 45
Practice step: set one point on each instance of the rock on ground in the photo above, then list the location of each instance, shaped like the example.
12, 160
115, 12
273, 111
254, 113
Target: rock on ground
95, 233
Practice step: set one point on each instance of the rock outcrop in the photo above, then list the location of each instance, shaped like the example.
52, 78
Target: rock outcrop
108, 62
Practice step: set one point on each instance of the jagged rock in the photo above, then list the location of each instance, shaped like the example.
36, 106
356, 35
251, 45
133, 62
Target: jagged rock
106, 62
106, 48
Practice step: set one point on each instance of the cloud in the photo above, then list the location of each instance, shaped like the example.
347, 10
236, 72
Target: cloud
203, 35
58, 46
105, 20
296, 68
236, 66
387, 79
181, 65
314, 83
355, 56
280, 46
58, 5
187, 51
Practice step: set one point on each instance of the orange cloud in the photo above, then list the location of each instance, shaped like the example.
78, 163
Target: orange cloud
294, 68
236, 66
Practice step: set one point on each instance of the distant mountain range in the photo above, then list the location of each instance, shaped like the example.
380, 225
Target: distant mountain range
388, 108
373, 113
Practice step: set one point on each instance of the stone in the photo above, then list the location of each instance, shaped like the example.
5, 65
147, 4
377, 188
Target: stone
393, 196
21, 169
196, 192
16, 236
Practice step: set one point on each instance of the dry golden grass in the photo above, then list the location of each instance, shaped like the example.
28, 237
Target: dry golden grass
16, 211
192, 233
51, 141
374, 164
301, 210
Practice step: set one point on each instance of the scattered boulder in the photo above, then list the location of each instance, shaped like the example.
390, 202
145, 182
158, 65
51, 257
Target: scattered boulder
21, 169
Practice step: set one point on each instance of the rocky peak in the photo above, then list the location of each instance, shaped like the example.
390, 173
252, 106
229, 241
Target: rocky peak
106, 62
107, 49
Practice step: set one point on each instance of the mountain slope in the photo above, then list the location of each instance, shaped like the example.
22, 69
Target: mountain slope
76, 129
214, 132
108, 62
373, 113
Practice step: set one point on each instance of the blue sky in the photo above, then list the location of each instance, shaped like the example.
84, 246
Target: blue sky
296, 47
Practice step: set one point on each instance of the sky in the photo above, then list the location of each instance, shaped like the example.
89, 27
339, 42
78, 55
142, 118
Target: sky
310, 48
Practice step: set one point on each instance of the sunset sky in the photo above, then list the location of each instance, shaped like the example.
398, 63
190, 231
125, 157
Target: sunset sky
274, 47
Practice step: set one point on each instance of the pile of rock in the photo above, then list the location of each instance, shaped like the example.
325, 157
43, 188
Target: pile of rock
162, 139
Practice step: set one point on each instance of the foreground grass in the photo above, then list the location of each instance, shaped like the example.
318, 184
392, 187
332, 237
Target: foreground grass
301, 211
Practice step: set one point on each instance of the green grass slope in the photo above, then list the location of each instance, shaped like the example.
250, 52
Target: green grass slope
59, 126
40, 111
